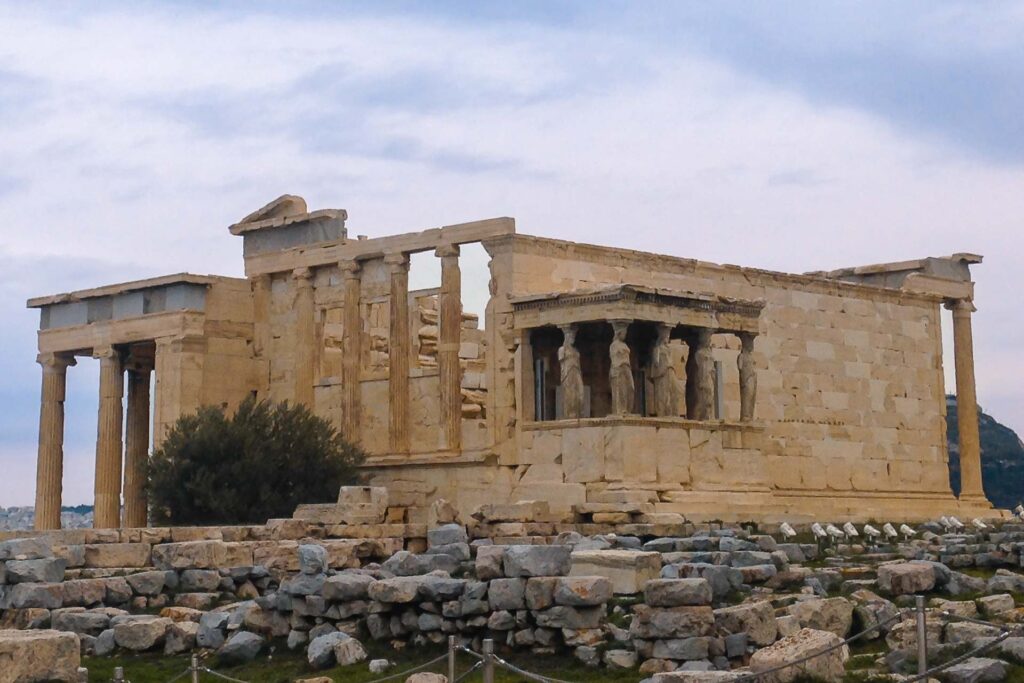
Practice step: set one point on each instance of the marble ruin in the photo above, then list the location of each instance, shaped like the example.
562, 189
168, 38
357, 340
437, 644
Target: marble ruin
598, 378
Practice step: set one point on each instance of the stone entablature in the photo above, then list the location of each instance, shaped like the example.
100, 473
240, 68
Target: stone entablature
713, 388
639, 302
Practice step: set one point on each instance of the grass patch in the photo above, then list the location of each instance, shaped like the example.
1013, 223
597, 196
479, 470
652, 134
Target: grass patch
284, 666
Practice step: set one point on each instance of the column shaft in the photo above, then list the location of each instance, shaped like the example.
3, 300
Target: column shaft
449, 340
107, 513
398, 353
966, 402
50, 459
305, 355
352, 342
136, 451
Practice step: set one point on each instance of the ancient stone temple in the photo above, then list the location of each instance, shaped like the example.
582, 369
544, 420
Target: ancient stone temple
597, 375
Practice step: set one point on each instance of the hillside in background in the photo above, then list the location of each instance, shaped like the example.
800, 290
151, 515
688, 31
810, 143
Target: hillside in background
1002, 458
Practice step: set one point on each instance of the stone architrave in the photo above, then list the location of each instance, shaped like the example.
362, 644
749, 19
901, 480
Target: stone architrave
352, 342
107, 513
448, 367
50, 459
136, 451
620, 374
748, 377
571, 375
663, 375
398, 353
966, 401
305, 341
704, 376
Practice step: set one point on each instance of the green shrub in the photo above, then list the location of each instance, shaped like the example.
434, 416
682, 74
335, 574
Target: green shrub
246, 468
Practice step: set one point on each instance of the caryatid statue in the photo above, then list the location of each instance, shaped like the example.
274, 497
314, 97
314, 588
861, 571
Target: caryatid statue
620, 375
663, 374
748, 377
571, 375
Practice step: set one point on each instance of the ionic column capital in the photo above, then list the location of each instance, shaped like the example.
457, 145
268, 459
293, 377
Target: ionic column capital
351, 269
55, 362
108, 352
746, 341
397, 262
447, 251
961, 307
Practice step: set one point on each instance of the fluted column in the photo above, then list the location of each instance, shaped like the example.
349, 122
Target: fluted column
50, 459
966, 401
136, 447
748, 376
107, 513
352, 342
449, 338
303, 373
398, 353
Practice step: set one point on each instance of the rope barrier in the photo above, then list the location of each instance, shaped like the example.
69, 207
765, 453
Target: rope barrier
220, 675
473, 668
971, 620
410, 671
956, 660
526, 674
813, 655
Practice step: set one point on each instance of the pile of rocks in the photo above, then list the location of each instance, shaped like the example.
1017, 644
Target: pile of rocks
721, 601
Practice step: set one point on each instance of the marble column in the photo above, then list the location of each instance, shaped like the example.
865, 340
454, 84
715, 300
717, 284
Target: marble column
398, 353
571, 374
107, 512
50, 459
748, 376
352, 345
305, 343
620, 374
136, 447
449, 339
703, 381
966, 401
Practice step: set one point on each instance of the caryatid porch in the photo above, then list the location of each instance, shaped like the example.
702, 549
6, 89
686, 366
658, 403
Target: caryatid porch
617, 351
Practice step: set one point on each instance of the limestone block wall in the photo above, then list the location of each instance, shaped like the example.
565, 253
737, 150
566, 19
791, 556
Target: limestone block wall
215, 368
284, 348
850, 385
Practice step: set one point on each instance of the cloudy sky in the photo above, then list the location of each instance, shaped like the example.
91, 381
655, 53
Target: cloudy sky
791, 136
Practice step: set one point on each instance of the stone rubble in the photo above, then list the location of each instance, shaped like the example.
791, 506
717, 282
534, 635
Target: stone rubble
700, 607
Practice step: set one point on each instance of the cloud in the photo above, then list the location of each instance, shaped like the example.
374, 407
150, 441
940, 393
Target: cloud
135, 134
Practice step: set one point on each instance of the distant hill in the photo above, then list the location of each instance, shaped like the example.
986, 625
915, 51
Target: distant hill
1002, 458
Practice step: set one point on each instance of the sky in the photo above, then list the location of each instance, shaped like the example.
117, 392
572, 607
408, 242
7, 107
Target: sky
789, 136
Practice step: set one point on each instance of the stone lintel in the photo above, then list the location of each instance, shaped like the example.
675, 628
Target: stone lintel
378, 247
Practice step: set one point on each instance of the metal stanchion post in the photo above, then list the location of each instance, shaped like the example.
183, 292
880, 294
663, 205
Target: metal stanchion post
922, 637
195, 669
488, 661
118, 673
451, 659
